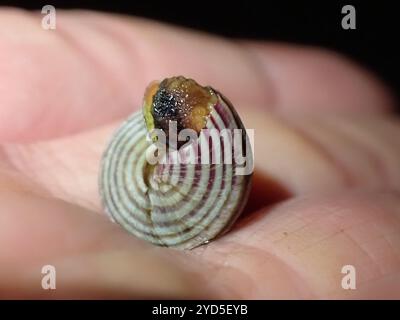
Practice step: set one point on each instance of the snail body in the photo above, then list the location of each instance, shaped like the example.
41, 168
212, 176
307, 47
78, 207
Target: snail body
181, 201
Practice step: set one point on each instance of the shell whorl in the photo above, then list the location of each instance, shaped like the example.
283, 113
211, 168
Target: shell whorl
172, 204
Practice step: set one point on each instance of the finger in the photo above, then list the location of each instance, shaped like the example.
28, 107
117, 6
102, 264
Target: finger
297, 250
94, 67
93, 258
319, 80
308, 153
293, 156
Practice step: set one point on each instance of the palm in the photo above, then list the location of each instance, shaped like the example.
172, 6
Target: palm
325, 185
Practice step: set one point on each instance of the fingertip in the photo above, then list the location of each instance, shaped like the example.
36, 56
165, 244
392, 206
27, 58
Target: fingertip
316, 79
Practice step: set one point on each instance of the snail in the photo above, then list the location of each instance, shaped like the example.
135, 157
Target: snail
179, 188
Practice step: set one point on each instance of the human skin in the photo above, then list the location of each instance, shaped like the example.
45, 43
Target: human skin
326, 181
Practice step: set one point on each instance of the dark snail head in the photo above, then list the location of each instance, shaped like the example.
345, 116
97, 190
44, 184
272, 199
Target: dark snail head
178, 99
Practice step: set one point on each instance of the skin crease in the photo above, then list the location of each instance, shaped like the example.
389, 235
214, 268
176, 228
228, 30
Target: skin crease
326, 182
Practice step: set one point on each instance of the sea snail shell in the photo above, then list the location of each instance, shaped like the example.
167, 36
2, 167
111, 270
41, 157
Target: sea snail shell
177, 204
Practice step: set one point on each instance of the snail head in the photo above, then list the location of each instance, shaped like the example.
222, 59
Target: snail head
178, 99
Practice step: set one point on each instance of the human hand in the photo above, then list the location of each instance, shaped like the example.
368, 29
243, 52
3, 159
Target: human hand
326, 179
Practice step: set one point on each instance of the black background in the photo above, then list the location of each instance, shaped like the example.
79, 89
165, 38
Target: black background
373, 44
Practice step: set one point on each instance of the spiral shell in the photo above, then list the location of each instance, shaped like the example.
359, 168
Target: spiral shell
181, 205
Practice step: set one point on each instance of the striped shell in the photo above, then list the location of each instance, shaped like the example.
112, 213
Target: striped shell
175, 205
